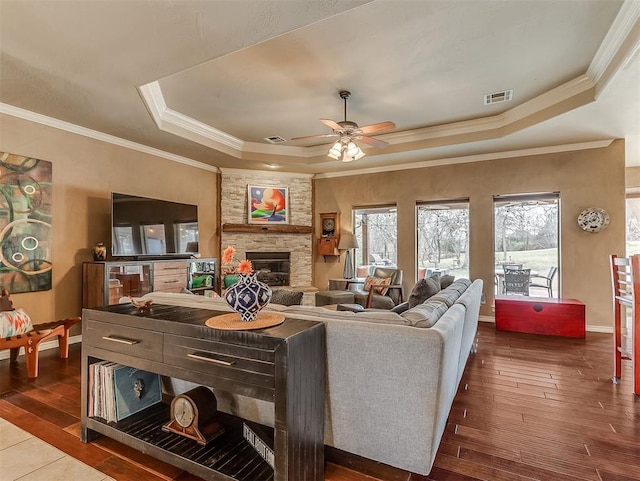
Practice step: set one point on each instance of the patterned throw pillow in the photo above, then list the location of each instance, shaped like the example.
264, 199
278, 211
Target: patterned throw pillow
286, 297
377, 281
15, 322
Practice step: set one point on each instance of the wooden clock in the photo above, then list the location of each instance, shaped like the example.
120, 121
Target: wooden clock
330, 228
193, 415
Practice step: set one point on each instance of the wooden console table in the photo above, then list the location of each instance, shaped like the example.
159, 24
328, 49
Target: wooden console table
284, 365
533, 315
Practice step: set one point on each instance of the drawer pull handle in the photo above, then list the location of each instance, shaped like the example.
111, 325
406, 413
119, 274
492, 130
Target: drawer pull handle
209, 359
121, 340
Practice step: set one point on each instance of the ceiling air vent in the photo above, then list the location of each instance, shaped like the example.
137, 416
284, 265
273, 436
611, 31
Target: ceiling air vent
497, 97
275, 139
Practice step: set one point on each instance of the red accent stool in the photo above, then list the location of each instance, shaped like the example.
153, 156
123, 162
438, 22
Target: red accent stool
551, 317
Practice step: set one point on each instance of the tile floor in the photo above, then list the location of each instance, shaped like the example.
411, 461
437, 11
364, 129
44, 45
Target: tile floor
24, 457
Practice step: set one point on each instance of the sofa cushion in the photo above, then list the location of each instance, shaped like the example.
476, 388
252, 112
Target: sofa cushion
286, 297
423, 290
321, 314
448, 296
425, 314
15, 322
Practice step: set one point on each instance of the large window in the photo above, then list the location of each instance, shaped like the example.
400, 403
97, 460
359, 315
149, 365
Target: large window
376, 229
633, 225
443, 238
526, 241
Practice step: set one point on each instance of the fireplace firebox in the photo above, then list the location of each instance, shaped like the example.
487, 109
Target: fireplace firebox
273, 268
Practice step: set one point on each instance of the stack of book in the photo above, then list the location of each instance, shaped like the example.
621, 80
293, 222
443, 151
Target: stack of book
117, 391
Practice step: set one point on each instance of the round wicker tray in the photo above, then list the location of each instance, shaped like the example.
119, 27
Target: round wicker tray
232, 322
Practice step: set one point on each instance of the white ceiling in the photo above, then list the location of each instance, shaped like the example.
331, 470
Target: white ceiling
208, 80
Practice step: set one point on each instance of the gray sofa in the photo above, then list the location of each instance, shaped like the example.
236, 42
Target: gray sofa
391, 378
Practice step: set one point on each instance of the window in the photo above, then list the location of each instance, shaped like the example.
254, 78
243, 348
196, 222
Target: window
443, 238
526, 238
376, 229
633, 225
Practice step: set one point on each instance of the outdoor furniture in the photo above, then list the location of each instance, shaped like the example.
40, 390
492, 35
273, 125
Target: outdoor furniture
378, 260
517, 281
546, 281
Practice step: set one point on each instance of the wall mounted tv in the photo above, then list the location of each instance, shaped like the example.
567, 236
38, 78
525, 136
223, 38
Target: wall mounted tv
144, 227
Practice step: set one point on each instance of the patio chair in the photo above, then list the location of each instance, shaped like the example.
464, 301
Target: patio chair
546, 281
517, 281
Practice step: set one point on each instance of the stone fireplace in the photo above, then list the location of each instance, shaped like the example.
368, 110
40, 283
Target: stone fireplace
273, 268
297, 246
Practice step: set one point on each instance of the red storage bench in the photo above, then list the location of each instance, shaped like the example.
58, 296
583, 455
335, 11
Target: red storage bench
531, 315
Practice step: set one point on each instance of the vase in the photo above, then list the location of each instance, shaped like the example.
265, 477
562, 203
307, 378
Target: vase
99, 252
229, 280
248, 296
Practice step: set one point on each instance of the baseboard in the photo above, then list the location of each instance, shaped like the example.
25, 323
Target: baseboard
589, 328
43, 346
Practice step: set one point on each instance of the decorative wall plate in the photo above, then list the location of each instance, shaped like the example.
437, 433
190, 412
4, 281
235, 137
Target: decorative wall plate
593, 219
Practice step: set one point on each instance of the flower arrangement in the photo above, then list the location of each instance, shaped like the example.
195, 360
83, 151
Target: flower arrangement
232, 265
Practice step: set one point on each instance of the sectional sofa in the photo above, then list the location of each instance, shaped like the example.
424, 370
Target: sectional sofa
391, 378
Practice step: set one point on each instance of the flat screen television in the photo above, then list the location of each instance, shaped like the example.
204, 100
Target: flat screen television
145, 227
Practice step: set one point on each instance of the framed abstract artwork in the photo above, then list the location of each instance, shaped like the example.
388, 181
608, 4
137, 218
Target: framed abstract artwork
26, 236
268, 205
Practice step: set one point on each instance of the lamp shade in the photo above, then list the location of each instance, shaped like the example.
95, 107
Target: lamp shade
348, 241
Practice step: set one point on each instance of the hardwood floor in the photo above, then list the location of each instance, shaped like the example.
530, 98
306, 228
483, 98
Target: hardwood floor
528, 408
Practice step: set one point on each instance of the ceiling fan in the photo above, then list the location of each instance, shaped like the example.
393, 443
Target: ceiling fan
345, 148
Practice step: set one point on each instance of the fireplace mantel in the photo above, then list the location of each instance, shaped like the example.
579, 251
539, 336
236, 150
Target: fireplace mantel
268, 229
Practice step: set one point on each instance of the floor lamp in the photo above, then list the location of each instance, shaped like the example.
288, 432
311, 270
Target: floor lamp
348, 242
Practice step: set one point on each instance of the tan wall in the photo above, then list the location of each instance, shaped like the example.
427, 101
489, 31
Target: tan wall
85, 172
586, 178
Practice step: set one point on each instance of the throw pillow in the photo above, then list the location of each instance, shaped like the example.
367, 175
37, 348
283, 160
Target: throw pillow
446, 280
15, 322
377, 281
423, 290
286, 297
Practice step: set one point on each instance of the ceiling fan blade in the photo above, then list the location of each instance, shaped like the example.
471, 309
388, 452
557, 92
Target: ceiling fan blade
379, 127
331, 124
321, 136
371, 141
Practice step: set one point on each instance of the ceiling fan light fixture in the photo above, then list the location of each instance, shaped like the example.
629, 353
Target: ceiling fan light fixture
335, 150
345, 150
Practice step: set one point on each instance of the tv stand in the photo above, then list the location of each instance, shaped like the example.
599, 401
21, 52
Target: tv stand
283, 365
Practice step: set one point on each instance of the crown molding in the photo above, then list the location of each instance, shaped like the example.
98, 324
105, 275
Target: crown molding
620, 31
553, 149
94, 134
232, 171
180, 124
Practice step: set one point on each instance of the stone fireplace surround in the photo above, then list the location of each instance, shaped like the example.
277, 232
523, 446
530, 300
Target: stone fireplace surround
234, 210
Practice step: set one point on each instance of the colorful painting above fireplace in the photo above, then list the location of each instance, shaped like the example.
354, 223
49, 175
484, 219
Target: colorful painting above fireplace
268, 205
25, 223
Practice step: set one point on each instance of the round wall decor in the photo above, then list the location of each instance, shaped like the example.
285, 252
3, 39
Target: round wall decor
593, 219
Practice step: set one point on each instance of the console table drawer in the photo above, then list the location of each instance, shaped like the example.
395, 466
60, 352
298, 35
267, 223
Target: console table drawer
239, 363
132, 341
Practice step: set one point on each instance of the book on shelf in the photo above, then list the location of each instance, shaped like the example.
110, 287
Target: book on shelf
117, 391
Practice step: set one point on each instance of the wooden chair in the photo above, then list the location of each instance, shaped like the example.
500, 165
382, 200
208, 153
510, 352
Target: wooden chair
625, 280
31, 340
